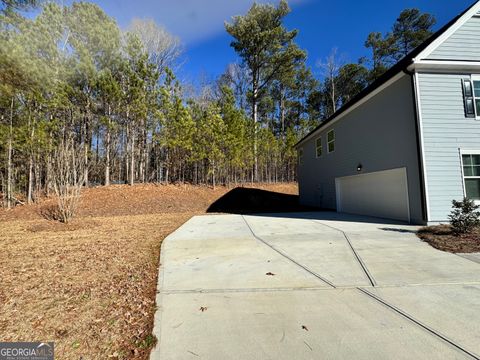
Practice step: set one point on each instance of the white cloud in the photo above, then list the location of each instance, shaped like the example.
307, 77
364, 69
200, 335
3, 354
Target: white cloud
192, 20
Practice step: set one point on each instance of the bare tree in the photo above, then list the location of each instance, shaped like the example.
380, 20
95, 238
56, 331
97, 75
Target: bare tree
330, 69
163, 48
237, 77
68, 178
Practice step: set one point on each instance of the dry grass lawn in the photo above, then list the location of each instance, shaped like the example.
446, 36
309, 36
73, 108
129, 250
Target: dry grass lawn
90, 286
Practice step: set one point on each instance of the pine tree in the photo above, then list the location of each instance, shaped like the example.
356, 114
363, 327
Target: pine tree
266, 48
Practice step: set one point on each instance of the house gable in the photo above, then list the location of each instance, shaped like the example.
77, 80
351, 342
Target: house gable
462, 45
457, 41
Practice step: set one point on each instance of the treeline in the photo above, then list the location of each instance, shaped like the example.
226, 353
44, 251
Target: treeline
343, 80
72, 81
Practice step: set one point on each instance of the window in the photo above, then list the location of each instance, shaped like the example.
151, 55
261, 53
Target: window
331, 141
476, 94
318, 147
471, 174
471, 95
300, 156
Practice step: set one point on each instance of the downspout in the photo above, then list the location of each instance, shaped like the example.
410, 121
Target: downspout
421, 165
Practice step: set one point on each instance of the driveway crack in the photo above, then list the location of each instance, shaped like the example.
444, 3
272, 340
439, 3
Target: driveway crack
355, 253
418, 323
288, 257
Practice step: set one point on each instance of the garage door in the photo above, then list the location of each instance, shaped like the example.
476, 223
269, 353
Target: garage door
381, 194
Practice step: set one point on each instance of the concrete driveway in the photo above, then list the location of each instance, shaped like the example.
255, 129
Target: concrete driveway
312, 286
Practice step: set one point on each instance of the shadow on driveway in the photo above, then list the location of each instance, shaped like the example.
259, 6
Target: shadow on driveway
252, 201
272, 204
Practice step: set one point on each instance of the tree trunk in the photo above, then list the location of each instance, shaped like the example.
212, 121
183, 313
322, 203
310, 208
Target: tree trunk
125, 144
107, 150
30, 164
282, 110
85, 151
9, 158
213, 174
167, 166
132, 157
255, 120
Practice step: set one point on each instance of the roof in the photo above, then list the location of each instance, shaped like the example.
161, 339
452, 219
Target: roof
399, 67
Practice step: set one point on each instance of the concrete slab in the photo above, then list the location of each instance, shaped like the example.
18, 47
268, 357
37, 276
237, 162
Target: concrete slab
321, 249
218, 264
328, 255
212, 227
225, 255
273, 225
473, 257
449, 309
409, 261
268, 325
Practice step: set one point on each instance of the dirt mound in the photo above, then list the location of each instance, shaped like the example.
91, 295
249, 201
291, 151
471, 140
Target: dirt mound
143, 199
90, 285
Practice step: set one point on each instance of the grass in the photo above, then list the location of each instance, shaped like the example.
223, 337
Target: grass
90, 285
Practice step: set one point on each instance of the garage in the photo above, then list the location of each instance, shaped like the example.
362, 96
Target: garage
381, 194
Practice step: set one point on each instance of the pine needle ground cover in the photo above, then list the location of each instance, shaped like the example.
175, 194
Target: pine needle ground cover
442, 237
90, 286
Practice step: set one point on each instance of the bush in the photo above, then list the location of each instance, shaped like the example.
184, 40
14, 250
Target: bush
465, 216
68, 178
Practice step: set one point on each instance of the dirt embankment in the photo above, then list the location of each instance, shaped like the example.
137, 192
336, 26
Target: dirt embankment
90, 286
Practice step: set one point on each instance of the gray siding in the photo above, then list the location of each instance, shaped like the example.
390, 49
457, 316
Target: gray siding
445, 131
463, 44
380, 134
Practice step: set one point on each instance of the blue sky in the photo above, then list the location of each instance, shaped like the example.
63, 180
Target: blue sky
323, 25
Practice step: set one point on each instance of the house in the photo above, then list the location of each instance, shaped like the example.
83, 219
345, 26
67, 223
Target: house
409, 144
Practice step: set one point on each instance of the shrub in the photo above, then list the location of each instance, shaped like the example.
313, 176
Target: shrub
465, 216
68, 177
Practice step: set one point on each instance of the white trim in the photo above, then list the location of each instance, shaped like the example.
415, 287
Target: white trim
445, 66
441, 39
338, 194
475, 77
464, 186
301, 154
353, 107
408, 195
316, 147
332, 141
467, 152
422, 143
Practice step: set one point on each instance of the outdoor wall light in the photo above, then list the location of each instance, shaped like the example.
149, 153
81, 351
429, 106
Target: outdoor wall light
359, 167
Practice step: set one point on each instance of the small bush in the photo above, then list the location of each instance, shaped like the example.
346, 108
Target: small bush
68, 178
465, 216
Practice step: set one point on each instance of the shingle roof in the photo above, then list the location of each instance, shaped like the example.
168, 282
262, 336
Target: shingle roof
402, 65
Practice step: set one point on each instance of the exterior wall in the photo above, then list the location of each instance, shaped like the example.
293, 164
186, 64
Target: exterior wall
446, 130
463, 44
380, 134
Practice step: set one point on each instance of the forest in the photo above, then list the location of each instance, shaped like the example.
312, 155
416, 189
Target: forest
85, 102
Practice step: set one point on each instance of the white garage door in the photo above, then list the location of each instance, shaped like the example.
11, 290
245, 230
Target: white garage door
381, 194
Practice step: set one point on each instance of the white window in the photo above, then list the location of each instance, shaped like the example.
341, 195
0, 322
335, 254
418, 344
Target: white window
331, 141
471, 96
476, 94
318, 147
300, 156
471, 174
